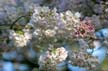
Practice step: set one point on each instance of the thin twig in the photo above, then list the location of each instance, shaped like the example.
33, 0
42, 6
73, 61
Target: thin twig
14, 22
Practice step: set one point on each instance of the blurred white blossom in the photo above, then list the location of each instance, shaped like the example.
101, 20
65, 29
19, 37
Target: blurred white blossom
52, 57
20, 40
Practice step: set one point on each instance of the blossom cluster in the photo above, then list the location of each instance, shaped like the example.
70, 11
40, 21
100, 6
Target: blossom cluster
52, 57
83, 59
20, 38
85, 28
50, 27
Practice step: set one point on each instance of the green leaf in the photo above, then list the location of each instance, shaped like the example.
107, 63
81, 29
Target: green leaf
20, 32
